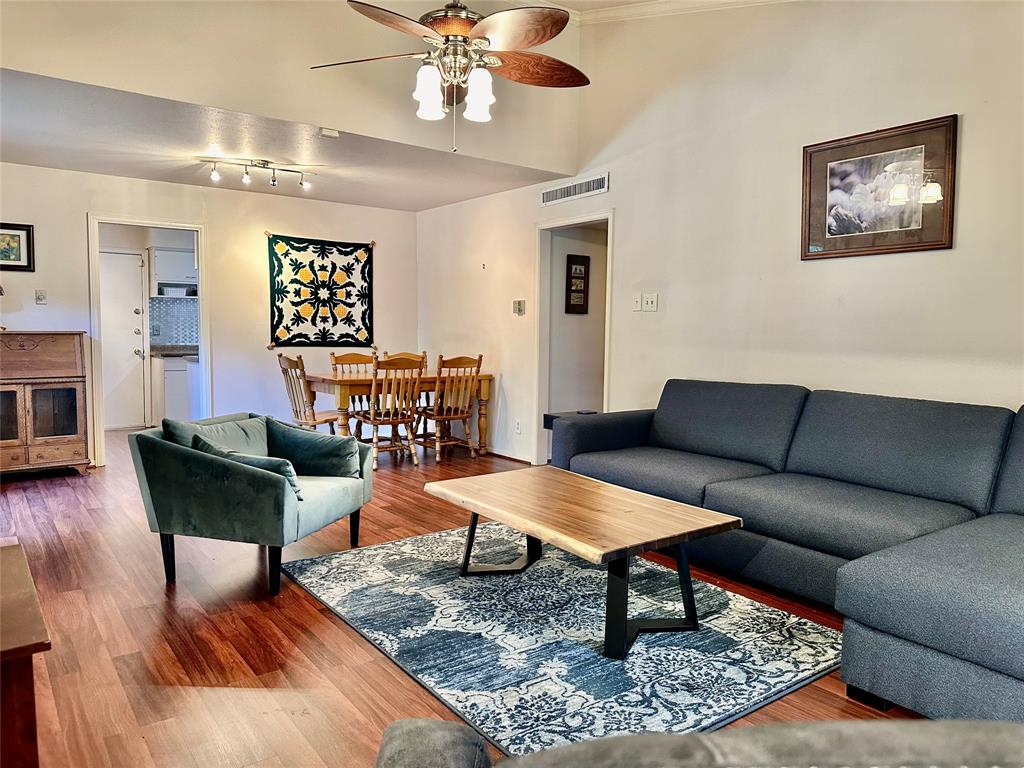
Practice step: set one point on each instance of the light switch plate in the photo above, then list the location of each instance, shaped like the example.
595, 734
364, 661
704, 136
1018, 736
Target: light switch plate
650, 302
519, 307
40, 296
638, 302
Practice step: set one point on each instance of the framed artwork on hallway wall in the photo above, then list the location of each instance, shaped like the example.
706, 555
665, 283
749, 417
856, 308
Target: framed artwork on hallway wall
577, 284
17, 248
321, 292
888, 191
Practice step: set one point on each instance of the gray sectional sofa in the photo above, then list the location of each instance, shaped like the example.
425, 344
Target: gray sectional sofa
906, 515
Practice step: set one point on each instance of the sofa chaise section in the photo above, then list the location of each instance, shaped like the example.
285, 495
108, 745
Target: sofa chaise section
702, 432
936, 624
864, 472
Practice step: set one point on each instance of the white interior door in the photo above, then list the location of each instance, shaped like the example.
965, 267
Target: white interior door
123, 302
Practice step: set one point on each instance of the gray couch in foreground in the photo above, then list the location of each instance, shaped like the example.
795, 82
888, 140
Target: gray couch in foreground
438, 744
904, 514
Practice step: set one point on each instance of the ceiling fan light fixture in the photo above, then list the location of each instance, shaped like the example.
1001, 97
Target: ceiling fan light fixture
480, 96
428, 83
431, 110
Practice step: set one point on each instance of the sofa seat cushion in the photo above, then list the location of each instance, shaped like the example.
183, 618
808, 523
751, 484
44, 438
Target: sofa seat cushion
959, 591
830, 516
677, 475
325, 500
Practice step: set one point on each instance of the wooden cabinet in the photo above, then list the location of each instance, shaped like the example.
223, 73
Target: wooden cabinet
42, 400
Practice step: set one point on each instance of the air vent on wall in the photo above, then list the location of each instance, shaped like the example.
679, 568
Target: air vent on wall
594, 185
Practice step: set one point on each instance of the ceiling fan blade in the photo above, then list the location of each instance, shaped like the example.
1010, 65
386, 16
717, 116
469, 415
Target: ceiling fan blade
394, 20
372, 58
519, 28
537, 69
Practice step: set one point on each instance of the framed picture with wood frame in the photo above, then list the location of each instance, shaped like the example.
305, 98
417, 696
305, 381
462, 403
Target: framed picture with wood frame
577, 284
888, 191
17, 249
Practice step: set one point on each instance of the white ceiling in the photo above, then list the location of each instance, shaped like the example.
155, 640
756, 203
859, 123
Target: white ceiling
61, 124
593, 5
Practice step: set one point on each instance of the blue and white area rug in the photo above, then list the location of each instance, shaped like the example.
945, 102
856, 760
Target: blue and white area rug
519, 656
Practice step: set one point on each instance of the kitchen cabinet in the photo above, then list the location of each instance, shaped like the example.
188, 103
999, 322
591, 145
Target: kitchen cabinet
181, 388
170, 267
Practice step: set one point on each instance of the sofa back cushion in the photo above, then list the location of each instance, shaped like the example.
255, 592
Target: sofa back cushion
1010, 485
944, 451
237, 433
746, 422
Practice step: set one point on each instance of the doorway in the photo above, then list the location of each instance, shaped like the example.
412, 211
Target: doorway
149, 351
574, 291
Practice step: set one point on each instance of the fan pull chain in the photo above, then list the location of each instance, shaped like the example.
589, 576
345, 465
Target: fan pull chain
455, 147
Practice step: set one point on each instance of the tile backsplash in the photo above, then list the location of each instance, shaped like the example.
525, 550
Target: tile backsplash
173, 320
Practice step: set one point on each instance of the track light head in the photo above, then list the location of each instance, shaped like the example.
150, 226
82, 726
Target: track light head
214, 174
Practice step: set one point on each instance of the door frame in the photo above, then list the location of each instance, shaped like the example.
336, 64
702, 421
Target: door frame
542, 298
147, 368
97, 441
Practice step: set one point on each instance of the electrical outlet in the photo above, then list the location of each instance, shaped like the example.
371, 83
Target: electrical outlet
519, 307
650, 302
40, 296
518, 427
638, 302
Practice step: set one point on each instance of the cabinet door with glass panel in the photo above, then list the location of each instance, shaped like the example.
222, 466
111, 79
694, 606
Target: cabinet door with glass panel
12, 415
56, 412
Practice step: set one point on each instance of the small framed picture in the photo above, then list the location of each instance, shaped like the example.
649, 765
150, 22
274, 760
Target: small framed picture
17, 249
577, 284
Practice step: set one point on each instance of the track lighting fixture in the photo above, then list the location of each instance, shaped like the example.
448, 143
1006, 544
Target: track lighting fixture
250, 166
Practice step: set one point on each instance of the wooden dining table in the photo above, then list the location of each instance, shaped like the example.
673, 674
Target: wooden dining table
344, 385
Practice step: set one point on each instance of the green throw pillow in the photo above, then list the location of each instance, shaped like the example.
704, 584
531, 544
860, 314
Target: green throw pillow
242, 435
281, 467
314, 453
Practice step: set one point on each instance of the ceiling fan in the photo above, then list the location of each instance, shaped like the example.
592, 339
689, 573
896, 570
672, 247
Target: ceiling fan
467, 47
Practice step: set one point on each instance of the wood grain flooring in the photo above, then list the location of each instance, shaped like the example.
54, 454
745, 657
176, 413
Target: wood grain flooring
212, 672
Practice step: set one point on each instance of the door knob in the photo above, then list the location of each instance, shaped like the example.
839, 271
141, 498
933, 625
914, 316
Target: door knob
139, 352
137, 331
137, 310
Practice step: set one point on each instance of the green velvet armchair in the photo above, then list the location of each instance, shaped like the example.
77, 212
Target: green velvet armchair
188, 491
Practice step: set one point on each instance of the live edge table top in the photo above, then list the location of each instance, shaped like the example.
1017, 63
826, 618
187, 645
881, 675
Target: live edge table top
591, 519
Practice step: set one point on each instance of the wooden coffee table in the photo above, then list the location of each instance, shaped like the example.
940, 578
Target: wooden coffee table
594, 520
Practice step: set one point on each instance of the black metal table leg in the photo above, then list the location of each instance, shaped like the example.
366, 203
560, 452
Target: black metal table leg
616, 612
619, 630
532, 555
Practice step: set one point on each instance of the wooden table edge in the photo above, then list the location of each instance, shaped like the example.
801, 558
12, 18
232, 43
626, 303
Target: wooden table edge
602, 557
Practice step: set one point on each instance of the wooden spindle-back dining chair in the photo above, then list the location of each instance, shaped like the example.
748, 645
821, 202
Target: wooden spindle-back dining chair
393, 400
354, 364
457, 382
426, 396
300, 396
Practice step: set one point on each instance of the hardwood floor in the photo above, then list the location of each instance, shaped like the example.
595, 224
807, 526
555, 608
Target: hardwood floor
211, 671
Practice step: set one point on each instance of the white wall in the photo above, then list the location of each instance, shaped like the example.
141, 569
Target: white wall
576, 342
130, 237
245, 372
254, 57
701, 119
